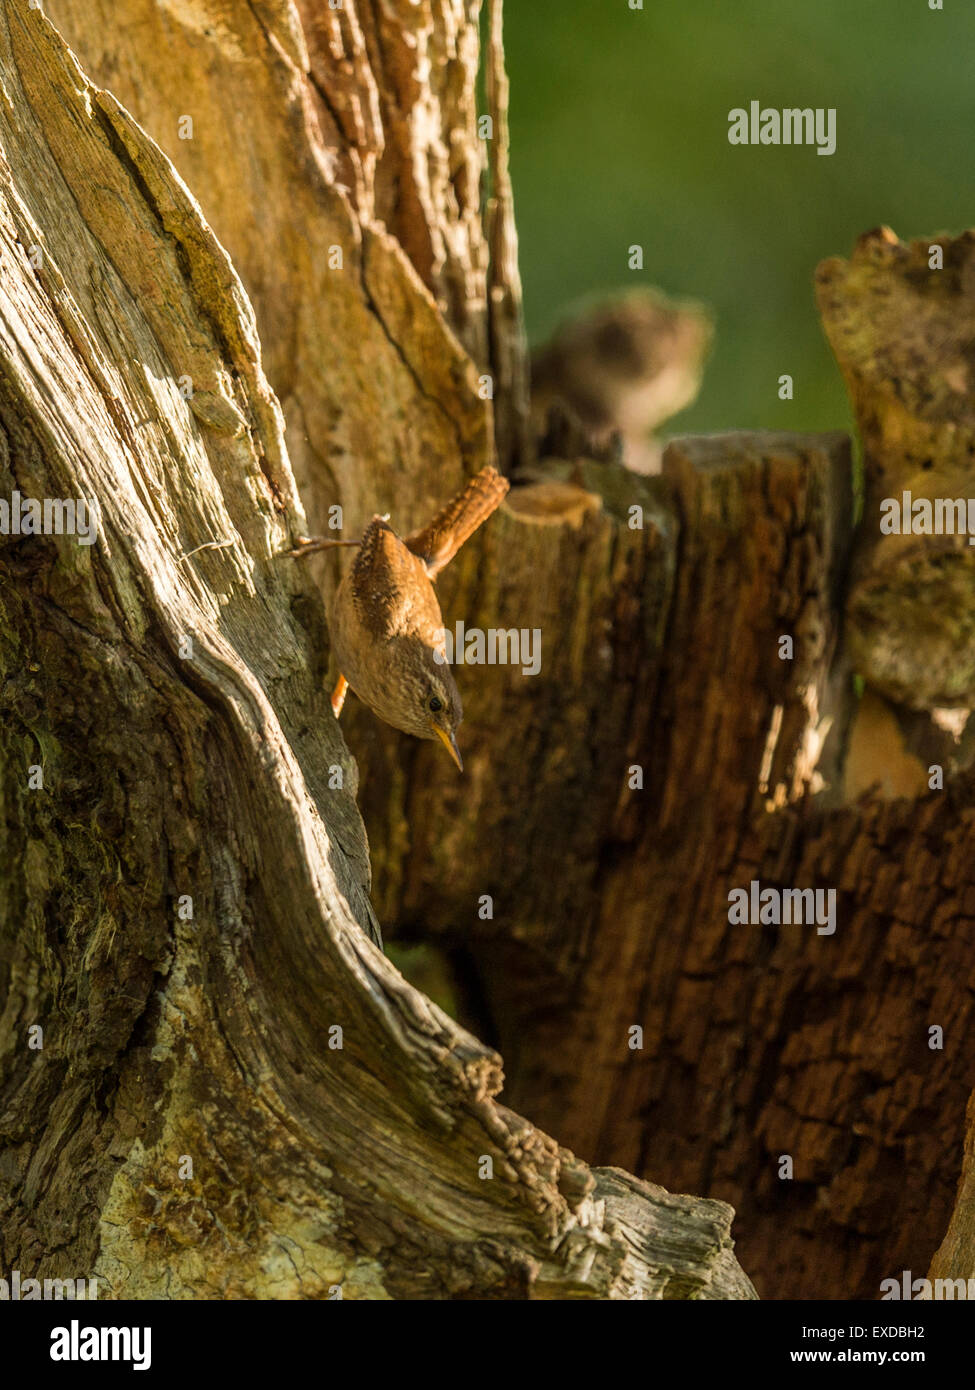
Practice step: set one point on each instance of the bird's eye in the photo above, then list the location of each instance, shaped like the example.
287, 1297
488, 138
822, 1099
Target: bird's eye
436, 704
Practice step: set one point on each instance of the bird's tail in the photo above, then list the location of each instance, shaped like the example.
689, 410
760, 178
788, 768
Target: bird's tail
438, 543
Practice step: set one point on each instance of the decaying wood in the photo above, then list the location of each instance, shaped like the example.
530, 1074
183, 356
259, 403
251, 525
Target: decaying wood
902, 332
505, 322
395, 97
610, 905
955, 1257
380, 399
660, 651
237, 1094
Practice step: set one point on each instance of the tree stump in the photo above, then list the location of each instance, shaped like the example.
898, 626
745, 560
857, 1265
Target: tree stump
214, 1084
662, 655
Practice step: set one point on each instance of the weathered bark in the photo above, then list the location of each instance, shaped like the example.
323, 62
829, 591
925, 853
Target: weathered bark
353, 128
610, 906
505, 323
955, 1257
902, 332
190, 1126
660, 649
405, 399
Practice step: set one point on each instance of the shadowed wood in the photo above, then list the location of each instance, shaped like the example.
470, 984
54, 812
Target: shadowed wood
659, 649
237, 1096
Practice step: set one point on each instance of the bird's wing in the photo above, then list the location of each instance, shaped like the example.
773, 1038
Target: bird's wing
438, 543
389, 585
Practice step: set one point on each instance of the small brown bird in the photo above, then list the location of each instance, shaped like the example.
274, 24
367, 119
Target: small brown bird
386, 625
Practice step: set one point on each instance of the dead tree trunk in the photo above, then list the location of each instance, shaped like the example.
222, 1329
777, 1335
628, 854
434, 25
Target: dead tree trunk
661, 653
213, 1083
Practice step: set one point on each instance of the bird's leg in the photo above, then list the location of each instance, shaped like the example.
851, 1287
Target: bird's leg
338, 695
311, 544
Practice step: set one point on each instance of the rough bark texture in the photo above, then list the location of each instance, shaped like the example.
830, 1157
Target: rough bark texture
379, 397
395, 95
191, 1125
610, 907
955, 1258
660, 650
902, 330
506, 328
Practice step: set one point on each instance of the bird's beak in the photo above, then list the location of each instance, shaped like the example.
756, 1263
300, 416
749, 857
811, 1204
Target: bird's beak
450, 743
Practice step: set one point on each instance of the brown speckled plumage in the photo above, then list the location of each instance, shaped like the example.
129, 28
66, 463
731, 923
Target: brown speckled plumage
387, 629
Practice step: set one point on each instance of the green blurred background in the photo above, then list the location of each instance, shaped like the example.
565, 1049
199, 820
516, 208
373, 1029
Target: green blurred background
619, 133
